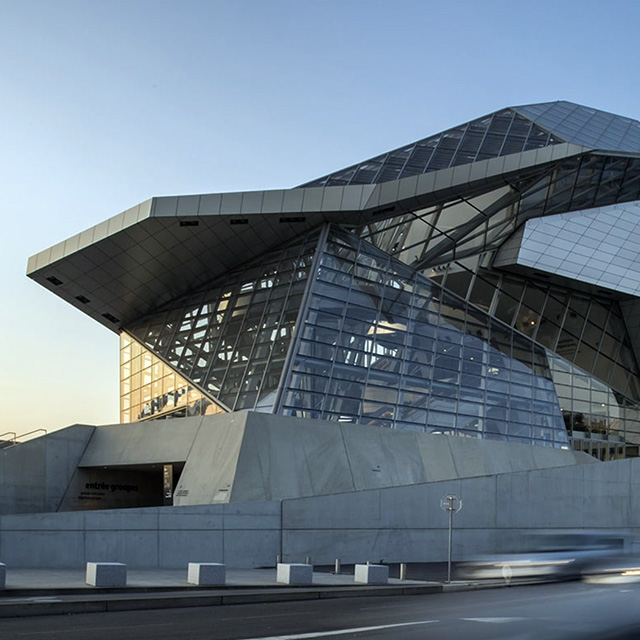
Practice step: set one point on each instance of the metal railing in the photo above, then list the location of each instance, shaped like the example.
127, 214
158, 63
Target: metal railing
7, 443
19, 439
23, 435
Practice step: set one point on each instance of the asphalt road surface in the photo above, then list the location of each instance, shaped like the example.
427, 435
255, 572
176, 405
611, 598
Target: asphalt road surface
568, 611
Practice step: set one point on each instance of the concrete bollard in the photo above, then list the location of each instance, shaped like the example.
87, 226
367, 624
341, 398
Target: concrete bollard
337, 567
403, 571
106, 574
290, 573
371, 574
3, 575
206, 573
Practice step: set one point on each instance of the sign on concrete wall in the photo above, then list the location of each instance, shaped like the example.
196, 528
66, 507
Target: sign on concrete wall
113, 489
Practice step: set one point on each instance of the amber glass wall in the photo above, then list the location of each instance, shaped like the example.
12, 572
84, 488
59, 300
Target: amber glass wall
151, 389
232, 337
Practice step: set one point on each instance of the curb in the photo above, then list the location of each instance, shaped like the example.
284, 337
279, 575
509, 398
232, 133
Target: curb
103, 603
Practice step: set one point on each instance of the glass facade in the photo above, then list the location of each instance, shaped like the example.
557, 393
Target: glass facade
586, 330
232, 337
384, 346
585, 126
498, 134
502, 133
475, 222
429, 319
151, 389
457, 243
376, 343
598, 420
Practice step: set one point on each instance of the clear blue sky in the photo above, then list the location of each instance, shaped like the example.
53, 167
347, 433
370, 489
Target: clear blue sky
105, 103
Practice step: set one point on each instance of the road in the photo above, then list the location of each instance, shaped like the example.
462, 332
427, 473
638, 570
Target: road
568, 611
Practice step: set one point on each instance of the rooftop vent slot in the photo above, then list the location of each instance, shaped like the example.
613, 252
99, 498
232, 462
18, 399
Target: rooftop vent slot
292, 219
384, 210
82, 299
54, 280
189, 223
239, 221
111, 318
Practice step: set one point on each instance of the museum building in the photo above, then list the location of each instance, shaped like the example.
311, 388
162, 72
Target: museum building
481, 282
306, 371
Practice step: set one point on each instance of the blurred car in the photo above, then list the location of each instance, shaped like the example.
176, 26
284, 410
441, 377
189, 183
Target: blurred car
551, 556
613, 570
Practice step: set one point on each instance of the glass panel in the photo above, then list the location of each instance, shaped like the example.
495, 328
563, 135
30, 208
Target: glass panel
410, 353
483, 291
501, 133
162, 390
234, 340
508, 300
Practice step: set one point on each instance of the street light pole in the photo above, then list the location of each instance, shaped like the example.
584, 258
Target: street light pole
450, 544
451, 503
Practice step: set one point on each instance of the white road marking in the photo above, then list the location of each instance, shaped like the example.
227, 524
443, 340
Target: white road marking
40, 599
494, 620
342, 632
37, 599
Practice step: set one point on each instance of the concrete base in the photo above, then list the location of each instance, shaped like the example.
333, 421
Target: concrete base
106, 574
371, 574
206, 573
295, 573
3, 575
226, 458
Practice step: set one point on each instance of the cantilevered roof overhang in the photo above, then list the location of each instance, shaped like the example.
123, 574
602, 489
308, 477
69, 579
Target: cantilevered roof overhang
130, 264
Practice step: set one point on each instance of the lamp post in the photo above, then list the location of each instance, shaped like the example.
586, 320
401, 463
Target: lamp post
451, 503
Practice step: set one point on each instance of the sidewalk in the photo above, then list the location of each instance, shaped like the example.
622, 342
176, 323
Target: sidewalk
32, 592
61, 580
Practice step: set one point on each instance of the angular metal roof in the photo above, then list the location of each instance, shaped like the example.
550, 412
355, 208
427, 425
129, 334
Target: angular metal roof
585, 126
150, 254
497, 134
131, 264
598, 246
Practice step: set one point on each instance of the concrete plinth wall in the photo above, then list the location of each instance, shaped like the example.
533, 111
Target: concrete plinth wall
169, 537
141, 443
401, 524
248, 456
242, 457
407, 524
35, 475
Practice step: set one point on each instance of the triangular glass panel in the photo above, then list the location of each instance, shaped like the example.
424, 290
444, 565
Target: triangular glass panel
497, 134
233, 343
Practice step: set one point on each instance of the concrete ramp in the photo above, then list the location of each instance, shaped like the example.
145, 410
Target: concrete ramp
243, 457
263, 457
